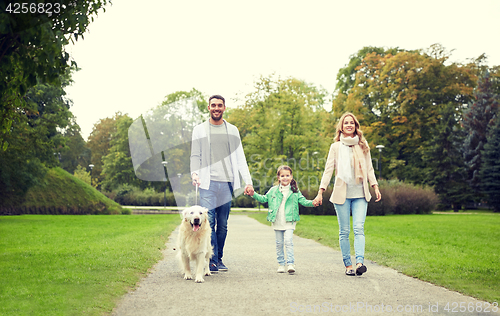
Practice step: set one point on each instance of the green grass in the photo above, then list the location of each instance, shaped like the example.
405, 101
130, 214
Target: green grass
74, 265
459, 252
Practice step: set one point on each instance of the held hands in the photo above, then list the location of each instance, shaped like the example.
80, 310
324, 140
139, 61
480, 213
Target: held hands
318, 200
249, 190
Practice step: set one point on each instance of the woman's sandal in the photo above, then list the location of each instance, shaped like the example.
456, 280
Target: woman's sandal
361, 269
350, 272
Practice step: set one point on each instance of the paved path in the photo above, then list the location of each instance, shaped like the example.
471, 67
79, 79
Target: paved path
252, 286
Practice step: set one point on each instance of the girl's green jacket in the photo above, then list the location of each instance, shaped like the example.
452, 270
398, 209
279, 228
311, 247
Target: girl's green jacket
274, 197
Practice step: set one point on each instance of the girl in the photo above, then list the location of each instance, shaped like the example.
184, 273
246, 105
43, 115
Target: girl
283, 200
350, 157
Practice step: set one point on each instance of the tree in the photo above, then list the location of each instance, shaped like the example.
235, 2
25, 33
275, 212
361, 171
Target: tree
281, 123
346, 76
117, 164
99, 143
399, 97
446, 170
32, 50
75, 152
477, 120
35, 140
490, 168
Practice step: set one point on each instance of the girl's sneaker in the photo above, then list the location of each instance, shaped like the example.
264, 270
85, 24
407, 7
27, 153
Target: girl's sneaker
291, 268
281, 269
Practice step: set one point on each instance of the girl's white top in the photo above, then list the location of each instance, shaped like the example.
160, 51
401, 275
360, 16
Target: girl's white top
280, 223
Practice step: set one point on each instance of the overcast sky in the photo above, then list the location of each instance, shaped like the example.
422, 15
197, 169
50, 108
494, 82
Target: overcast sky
137, 52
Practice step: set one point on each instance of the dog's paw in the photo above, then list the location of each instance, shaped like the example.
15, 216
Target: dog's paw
188, 276
199, 279
208, 273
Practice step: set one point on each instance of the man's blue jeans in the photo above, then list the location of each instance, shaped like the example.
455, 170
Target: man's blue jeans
358, 207
217, 199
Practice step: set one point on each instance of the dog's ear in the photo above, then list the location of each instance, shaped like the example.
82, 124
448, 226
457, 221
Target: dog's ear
184, 213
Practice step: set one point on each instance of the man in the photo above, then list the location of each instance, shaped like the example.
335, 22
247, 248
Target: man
217, 160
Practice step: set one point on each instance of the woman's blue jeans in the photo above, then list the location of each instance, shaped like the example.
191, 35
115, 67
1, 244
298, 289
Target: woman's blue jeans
217, 199
358, 207
284, 238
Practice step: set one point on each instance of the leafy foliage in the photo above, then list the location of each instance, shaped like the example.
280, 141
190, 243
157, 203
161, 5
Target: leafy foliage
477, 120
32, 51
99, 143
117, 164
75, 152
399, 97
446, 170
490, 168
281, 123
35, 140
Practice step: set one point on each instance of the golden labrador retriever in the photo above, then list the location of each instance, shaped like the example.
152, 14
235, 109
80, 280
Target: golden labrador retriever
194, 242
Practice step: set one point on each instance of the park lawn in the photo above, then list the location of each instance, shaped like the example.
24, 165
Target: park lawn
458, 251
74, 265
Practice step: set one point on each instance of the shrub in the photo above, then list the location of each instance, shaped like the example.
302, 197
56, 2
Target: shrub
244, 201
130, 195
403, 198
397, 198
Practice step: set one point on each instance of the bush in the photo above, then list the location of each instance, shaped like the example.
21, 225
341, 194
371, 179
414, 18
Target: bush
244, 201
397, 198
130, 195
403, 198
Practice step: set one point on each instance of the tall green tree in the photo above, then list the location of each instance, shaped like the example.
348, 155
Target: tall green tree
346, 76
32, 50
75, 152
281, 123
99, 143
399, 97
446, 170
490, 168
117, 164
477, 119
35, 140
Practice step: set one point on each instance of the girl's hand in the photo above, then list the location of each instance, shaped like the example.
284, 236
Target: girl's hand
318, 200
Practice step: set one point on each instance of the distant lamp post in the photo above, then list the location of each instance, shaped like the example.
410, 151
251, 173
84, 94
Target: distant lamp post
164, 163
380, 147
91, 166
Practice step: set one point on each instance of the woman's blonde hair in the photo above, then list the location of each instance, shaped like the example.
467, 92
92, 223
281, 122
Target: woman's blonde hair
357, 131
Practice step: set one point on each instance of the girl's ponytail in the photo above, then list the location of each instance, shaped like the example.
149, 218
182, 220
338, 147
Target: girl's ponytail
293, 186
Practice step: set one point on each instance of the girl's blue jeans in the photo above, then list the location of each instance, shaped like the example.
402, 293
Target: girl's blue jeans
284, 238
358, 207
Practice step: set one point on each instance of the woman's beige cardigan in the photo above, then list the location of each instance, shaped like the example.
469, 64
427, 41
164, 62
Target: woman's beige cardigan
340, 187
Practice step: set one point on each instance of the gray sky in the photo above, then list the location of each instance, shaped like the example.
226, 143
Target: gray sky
137, 52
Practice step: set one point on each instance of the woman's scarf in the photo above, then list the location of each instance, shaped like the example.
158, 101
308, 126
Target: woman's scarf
344, 165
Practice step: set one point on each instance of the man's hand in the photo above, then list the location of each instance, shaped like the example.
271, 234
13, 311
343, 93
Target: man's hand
249, 190
195, 179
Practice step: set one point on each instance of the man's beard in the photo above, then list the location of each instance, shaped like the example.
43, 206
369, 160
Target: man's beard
216, 119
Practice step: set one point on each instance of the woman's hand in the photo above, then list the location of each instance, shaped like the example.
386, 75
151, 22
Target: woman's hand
377, 193
318, 200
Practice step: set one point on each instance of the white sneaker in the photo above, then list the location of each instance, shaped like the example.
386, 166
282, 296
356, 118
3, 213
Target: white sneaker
281, 269
291, 269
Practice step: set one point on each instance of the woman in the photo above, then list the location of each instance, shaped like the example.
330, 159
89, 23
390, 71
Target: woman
350, 157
